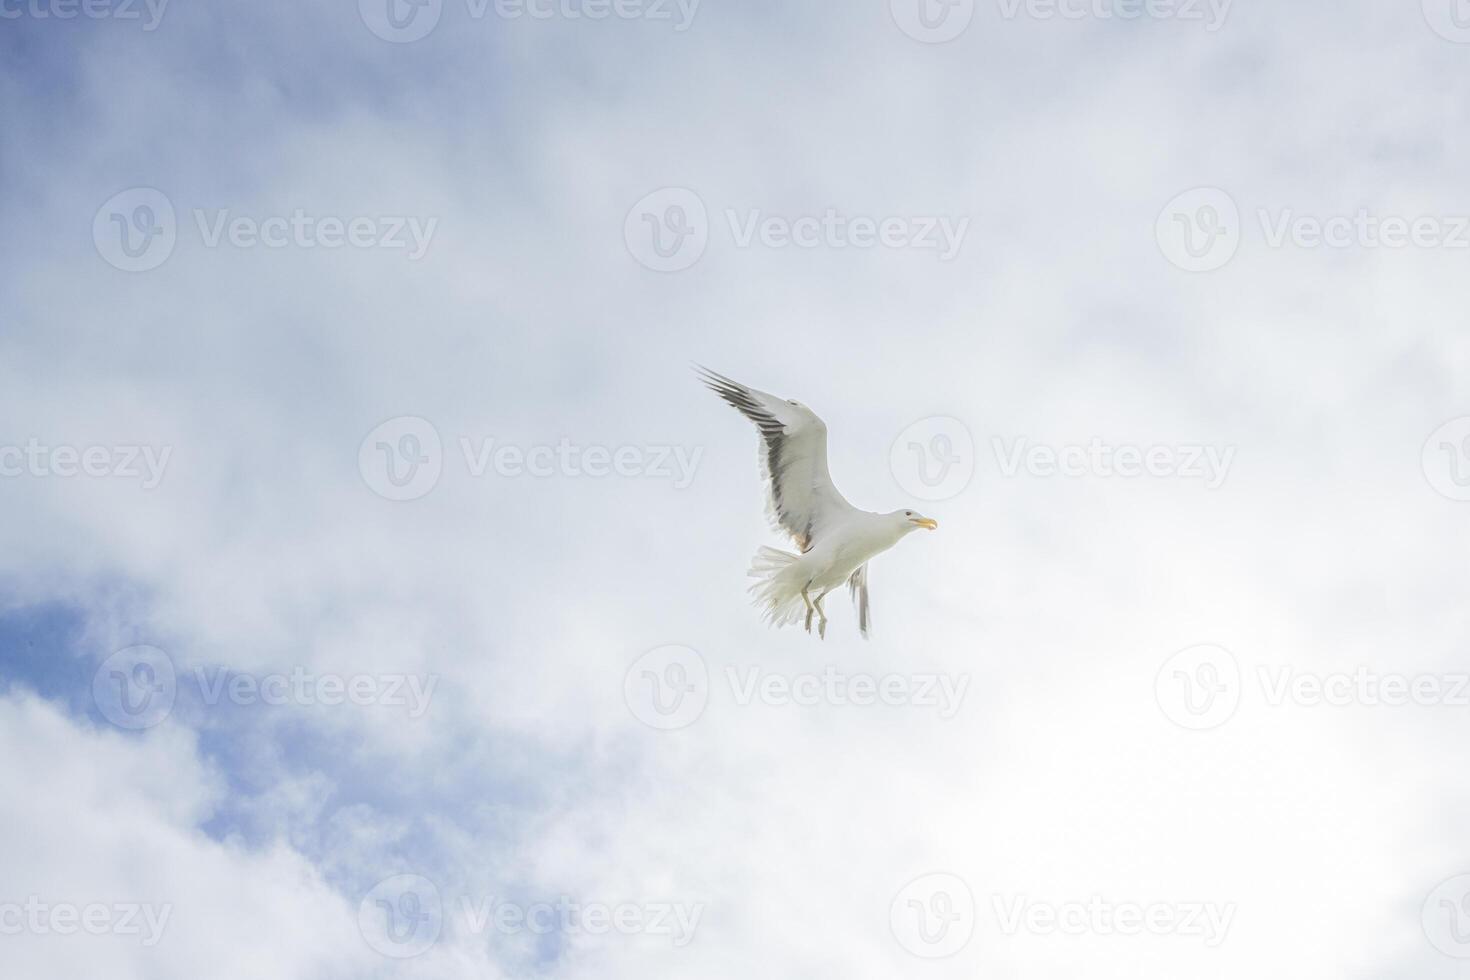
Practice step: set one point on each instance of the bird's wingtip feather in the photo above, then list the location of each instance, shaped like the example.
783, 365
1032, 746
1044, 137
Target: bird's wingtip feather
718, 383
711, 375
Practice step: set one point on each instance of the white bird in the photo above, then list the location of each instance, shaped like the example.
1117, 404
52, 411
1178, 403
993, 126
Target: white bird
836, 539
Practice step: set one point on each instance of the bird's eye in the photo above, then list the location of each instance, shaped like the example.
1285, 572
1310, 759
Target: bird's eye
908, 513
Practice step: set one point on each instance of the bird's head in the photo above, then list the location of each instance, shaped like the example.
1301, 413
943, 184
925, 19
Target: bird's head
912, 520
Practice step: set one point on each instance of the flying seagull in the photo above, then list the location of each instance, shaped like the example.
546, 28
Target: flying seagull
836, 539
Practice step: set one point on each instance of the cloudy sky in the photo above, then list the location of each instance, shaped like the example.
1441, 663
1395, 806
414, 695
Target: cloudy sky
372, 566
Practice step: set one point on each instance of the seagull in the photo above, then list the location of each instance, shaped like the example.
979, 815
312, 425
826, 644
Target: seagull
836, 539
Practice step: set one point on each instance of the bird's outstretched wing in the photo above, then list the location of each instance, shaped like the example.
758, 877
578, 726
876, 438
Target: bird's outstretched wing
857, 584
801, 499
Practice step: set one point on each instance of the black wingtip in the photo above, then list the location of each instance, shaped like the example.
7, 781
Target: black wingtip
705, 373
716, 382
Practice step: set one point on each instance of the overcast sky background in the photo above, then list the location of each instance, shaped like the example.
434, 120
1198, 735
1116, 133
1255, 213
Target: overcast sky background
1331, 543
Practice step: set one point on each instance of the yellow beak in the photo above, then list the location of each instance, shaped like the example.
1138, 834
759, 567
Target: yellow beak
927, 523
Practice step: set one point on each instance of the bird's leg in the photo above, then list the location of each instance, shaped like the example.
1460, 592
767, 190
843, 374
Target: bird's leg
807, 599
822, 624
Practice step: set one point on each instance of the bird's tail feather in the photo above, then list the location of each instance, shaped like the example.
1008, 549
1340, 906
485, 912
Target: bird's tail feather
777, 587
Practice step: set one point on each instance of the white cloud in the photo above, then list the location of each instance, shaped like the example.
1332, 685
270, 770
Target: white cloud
94, 817
528, 322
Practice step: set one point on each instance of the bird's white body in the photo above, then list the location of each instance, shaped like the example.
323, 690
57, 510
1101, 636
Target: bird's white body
836, 539
836, 556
